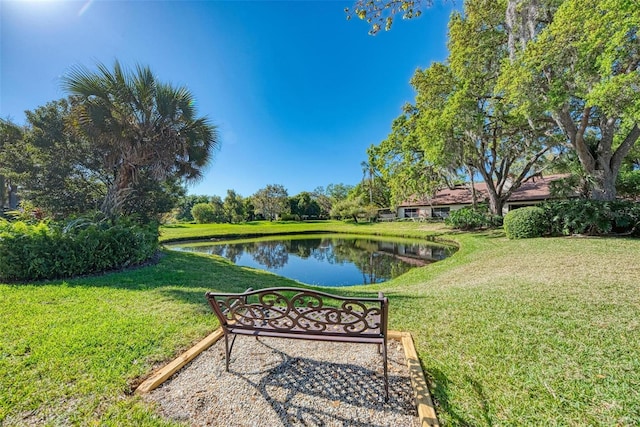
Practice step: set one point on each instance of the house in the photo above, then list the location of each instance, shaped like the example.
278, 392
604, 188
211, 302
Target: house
532, 192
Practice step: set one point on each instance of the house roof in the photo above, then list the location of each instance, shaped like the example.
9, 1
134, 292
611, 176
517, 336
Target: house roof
537, 188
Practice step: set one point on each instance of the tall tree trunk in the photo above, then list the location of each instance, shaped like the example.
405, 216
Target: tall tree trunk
603, 185
603, 166
495, 203
474, 194
117, 193
12, 195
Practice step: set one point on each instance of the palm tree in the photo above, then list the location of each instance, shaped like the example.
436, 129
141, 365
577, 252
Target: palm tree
139, 126
367, 168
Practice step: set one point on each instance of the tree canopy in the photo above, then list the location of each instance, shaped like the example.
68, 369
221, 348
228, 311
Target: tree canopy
582, 71
380, 14
461, 122
61, 171
304, 206
271, 201
549, 68
234, 207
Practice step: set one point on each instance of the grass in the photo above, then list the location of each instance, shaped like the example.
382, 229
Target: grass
529, 332
260, 228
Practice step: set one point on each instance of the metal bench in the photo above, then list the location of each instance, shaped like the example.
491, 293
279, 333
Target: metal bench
303, 314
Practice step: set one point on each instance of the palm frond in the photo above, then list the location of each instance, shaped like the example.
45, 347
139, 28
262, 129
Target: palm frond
141, 124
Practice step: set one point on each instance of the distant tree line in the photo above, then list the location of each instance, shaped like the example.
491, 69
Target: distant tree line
269, 203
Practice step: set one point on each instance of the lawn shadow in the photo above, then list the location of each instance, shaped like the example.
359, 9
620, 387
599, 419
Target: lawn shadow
484, 402
489, 233
439, 387
492, 234
182, 276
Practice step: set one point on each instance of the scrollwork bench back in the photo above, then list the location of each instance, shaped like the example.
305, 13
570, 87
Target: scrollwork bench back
302, 314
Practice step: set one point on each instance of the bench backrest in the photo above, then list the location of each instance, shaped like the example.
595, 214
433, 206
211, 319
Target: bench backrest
301, 311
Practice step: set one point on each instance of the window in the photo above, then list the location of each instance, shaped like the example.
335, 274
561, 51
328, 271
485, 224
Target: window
440, 212
411, 213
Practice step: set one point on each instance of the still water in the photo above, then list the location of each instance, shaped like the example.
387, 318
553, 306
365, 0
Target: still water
326, 260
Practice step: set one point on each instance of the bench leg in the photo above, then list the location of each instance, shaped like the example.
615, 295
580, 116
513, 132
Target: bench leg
228, 349
386, 374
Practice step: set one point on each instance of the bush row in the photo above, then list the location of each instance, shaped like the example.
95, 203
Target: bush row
472, 219
57, 250
576, 216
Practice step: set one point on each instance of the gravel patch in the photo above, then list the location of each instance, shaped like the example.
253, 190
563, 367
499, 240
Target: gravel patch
284, 382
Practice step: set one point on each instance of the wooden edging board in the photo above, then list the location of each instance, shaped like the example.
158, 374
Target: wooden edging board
163, 374
426, 410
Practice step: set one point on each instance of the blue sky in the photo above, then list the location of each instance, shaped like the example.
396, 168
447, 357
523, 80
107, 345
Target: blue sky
298, 92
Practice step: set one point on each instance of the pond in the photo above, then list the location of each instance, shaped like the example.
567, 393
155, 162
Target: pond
327, 259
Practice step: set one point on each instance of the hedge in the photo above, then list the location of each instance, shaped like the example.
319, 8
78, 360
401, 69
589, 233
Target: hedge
472, 219
58, 250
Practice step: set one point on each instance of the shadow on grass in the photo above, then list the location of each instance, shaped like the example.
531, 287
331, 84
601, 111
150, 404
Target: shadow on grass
492, 234
484, 402
178, 275
439, 386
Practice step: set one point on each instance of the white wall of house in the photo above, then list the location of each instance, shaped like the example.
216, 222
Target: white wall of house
425, 211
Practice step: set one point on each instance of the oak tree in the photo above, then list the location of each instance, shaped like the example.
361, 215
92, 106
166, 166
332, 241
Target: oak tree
271, 201
582, 72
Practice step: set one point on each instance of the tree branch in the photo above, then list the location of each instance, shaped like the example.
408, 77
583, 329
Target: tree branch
624, 148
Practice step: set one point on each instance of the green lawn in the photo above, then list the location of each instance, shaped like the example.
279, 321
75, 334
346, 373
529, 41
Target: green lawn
199, 231
530, 332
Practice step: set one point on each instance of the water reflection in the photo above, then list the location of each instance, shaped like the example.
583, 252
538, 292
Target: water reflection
327, 260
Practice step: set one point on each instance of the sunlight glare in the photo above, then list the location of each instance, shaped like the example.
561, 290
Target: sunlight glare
84, 7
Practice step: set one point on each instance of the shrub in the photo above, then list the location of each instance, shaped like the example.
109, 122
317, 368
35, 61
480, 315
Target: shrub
203, 213
495, 221
526, 222
82, 246
472, 219
289, 217
593, 217
628, 183
348, 208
